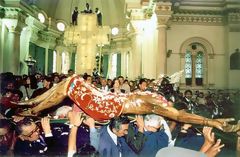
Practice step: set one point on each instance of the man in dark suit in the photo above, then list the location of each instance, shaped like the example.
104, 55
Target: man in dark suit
187, 100
109, 137
120, 138
99, 17
88, 9
75, 16
31, 140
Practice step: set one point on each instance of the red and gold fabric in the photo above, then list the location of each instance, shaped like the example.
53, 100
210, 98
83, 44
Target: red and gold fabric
97, 104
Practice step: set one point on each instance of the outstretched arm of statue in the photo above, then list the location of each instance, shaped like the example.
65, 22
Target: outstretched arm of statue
139, 104
50, 98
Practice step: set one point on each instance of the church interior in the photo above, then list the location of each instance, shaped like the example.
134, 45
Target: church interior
200, 37
134, 39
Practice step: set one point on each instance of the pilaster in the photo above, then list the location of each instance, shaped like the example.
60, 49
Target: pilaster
163, 12
14, 20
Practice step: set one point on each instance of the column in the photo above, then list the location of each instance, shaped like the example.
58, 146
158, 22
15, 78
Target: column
136, 64
161, 50
59, 51
46, 60
24, 48
194, 69
2, 43
11, 54
163, 12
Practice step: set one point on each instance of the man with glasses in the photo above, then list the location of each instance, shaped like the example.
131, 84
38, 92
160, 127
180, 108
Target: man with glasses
36, 140
6, 137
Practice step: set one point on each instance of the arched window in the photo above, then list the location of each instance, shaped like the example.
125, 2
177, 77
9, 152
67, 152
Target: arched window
188, 67
65, 62
54, 61
194, 64
199, 68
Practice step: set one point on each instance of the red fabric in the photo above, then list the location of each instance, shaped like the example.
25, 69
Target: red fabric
95, 103
6, 102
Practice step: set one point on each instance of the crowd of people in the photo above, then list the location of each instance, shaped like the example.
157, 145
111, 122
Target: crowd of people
142, 136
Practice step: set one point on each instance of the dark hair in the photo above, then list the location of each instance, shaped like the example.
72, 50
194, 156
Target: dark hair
141, 81
4, 123
118, 121
87, 151
125, 81
5, 91
70, 70
120, 77
47, 78
18, 92
188, 91
85, 76
113, 82
25, 122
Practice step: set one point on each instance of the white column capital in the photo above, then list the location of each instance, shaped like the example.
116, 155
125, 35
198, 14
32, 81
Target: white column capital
14, 19
163, 12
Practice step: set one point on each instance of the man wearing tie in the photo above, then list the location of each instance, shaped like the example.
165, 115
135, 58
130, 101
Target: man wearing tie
104, 86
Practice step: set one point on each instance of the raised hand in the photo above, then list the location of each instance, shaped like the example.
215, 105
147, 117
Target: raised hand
140, 123
215, 149
45, 122
209, 139
75, 118
90, 122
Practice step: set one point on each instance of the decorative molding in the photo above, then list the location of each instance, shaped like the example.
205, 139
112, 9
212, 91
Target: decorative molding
234, 17
15, 13
48, 36
164, 12
163, 19
14, 19
162, 6
198, 19
211, 56
200, 40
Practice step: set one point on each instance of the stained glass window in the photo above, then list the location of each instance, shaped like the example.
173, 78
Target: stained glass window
188, 65
194, 64
199, 65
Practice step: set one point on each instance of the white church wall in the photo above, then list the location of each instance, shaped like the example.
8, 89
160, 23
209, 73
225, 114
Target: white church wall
215, 35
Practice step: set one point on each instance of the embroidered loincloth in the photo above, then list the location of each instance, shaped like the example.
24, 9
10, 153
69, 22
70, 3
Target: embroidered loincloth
97, 104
